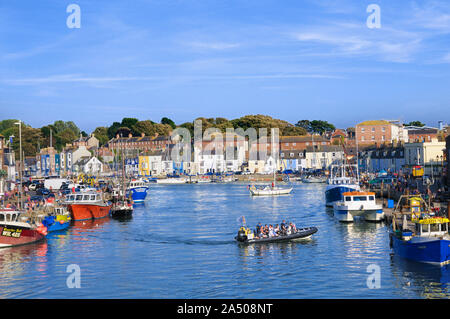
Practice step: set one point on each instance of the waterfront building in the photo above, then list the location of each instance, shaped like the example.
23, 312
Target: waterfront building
428, 154
292, 160
421, 134
87, 141
136, 145
446, 161
380, 131
300, 143
323, 156
71, 155
387, 158
88, 165
30, 167
150, 164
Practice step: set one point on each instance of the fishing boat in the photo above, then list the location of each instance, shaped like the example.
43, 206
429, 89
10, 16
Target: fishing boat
338, 184
14, 232
420, 236
138, 189
246, 236
358, 204
121, 207
58, 219
87, 205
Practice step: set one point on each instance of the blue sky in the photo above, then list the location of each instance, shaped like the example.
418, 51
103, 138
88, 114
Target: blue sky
292, 60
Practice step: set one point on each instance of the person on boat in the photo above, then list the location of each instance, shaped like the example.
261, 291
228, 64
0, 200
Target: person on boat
277, 229
283, 227
271, 232
293, 228
258, 230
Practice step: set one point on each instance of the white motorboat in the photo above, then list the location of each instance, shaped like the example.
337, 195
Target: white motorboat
358, 204
171, 181
268, 190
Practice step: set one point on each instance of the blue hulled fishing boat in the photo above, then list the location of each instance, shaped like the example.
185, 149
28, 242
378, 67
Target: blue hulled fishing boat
423, 238
138, 190
338, 185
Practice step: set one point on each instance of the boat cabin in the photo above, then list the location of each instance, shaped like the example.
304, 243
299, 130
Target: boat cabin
9, 216
431, 227
359, 197
137, 183
83, 197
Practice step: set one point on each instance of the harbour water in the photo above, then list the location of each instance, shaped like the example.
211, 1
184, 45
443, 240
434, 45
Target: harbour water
180, 244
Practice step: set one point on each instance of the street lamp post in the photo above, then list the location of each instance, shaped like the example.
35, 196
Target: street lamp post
20, 162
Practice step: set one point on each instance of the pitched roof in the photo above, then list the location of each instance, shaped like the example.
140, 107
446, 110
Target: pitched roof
375, 122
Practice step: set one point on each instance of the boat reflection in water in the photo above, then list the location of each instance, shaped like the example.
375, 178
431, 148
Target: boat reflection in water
86, 226
285, 250
432, 281
13, 265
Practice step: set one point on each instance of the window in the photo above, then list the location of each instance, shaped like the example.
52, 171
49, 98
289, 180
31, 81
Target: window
291, 154
383, 138
362, 138
360, 198
373, 138
434, 227
371, 197
363, 129
425, 228
2, 218
373, 129
92, 197
383, 129
348, 199
79, 197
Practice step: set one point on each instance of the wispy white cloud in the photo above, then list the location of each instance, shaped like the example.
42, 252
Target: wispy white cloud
213, 45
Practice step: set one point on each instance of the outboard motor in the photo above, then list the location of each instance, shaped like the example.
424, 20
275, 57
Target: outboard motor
241, 236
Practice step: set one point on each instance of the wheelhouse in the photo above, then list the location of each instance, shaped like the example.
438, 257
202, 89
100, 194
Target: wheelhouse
9, 216
431, 227
359, 197
83, 197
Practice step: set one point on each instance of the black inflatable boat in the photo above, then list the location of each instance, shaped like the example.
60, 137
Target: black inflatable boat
302, 233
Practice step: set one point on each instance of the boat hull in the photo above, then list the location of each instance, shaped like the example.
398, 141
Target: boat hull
334, 193
301, 234
85, 211
16, 236
346, 215
138, 194
426, 250
270, 192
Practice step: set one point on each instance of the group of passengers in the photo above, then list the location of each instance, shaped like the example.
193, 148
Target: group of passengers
285, 228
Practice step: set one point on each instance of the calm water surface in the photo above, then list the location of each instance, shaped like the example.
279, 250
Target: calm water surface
180, 244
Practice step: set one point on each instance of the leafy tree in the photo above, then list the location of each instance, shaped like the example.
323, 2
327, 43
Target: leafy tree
101, 133
168, 121
315, 126
112, 130
415, 123
293, 131
147, 127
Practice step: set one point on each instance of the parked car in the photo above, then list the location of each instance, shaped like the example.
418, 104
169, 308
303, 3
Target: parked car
36, 198
42, 191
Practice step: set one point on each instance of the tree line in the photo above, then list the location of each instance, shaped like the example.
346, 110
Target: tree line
62, 133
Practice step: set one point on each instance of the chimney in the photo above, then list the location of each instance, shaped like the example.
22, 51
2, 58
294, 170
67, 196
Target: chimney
130, 135
117, 136
142, 134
